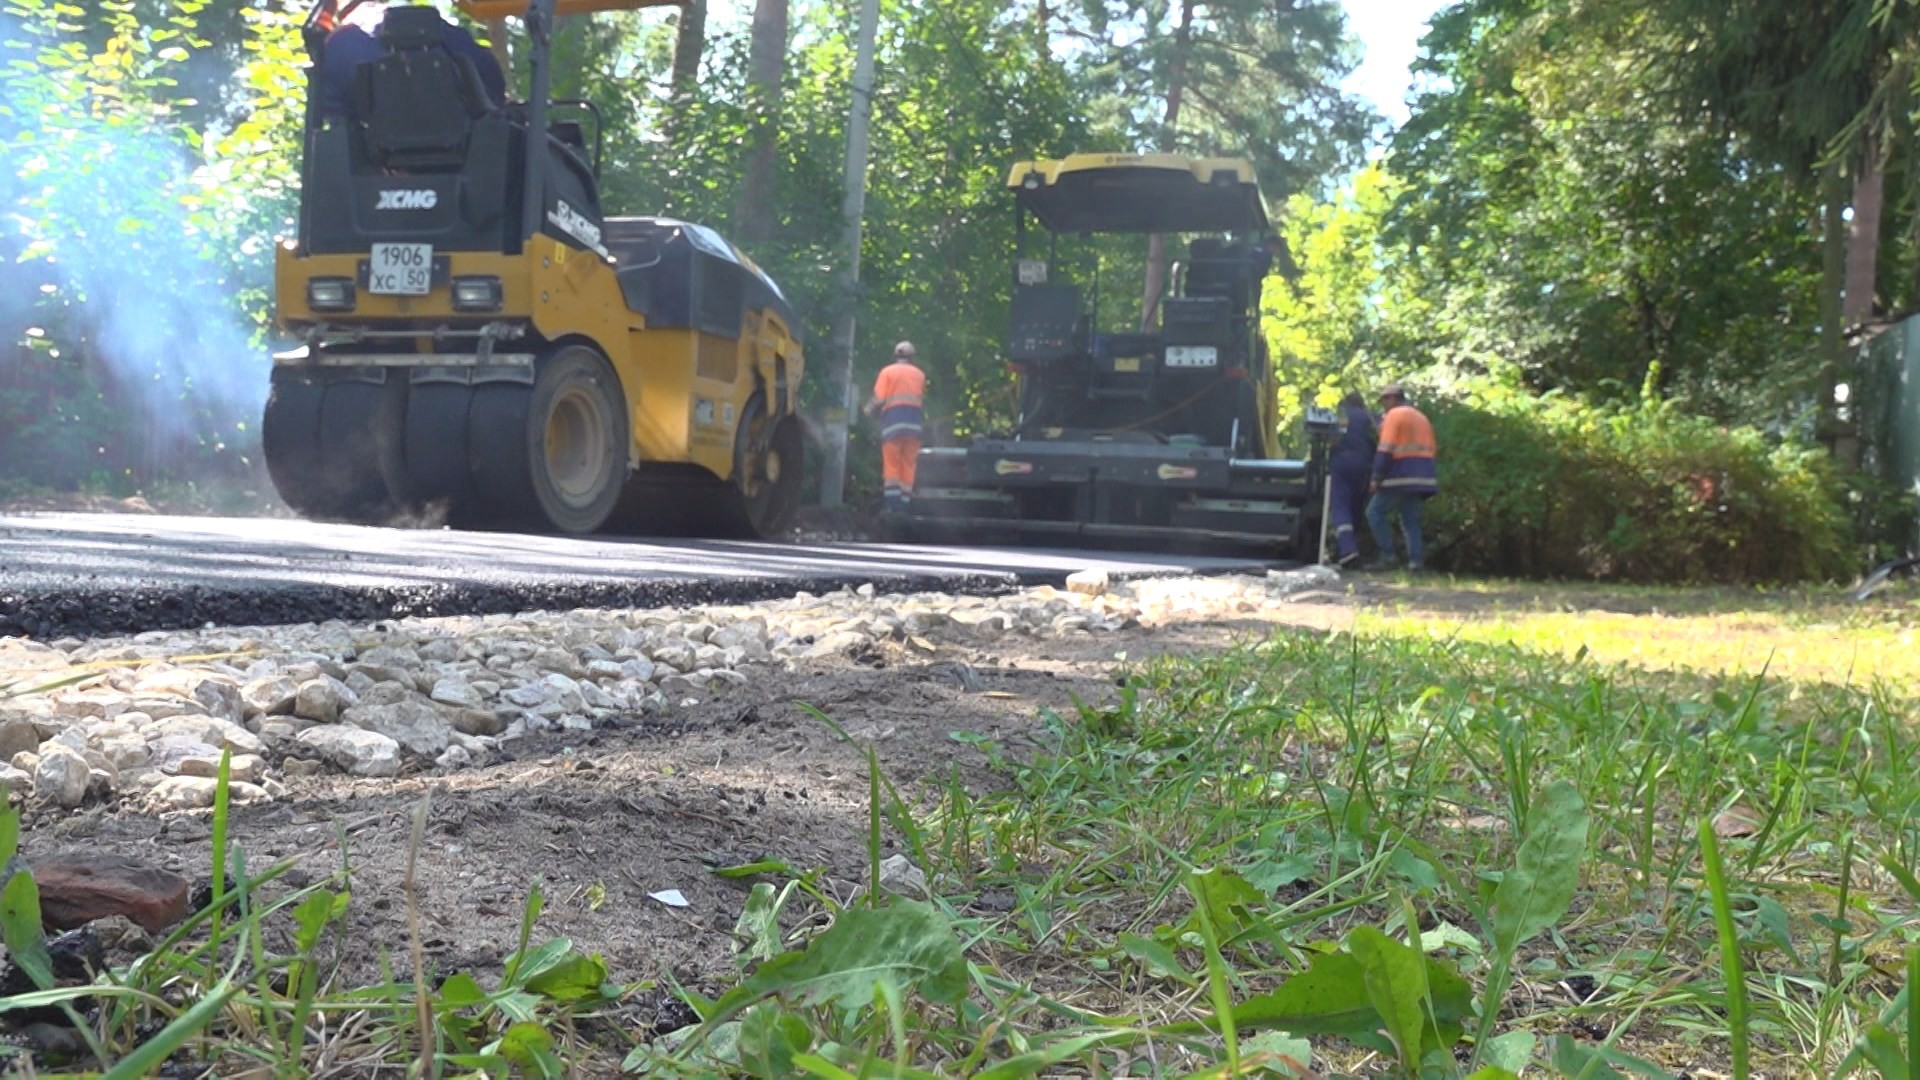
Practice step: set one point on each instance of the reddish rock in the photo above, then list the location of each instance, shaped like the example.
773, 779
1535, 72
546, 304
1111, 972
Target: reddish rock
77, 889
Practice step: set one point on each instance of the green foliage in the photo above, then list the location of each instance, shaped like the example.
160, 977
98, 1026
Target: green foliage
1565, 211
1333, 327
1554, 487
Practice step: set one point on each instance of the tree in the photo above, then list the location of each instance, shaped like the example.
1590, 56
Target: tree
690, 40
754, 214
1254, 78
1566, 216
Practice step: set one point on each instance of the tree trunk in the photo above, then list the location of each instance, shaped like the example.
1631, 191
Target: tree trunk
1169, 141
1863, 235
688, 46
1833, 343
766, 64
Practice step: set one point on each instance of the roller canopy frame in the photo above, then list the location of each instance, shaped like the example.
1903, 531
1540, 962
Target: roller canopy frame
1141, 193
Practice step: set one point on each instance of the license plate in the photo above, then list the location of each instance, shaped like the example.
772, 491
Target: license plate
1126, 363
401, 270
1192, 356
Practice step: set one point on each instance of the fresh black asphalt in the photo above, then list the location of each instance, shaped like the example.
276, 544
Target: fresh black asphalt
80, 575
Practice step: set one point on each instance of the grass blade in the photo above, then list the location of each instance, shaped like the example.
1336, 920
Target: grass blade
1731, 971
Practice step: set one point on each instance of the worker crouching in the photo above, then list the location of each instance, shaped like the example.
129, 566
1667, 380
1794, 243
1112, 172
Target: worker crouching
899, 400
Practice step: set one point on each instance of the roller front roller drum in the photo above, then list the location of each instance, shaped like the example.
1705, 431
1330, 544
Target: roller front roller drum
327, 442
550, 457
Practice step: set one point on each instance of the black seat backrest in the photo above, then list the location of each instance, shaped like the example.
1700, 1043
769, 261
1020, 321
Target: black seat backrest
1220, 269
417, 103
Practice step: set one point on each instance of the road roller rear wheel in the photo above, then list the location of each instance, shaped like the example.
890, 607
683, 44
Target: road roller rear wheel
577, 440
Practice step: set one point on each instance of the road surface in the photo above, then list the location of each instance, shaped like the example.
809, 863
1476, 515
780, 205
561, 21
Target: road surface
88, 574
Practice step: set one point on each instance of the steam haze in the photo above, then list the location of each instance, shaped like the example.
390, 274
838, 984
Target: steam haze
115, 256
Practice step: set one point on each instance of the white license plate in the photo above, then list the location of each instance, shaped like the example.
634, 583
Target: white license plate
1192, 356
401, 270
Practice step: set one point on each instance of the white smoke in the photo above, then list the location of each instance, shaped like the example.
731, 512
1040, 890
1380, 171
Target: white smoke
115, 249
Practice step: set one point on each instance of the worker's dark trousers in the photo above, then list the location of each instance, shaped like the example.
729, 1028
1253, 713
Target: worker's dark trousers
1405, 505
1348, 497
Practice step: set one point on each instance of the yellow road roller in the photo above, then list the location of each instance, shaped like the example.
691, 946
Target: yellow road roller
479, 343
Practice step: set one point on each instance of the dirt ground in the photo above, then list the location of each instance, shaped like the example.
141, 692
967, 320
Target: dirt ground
607, 820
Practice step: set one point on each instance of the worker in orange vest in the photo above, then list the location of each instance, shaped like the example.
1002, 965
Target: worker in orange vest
1404, 477
899, 400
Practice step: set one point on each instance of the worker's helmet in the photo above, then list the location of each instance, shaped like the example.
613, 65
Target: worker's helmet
903, 351
1392, 390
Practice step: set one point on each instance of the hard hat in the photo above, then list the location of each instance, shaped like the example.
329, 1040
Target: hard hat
1392, 389
905, 348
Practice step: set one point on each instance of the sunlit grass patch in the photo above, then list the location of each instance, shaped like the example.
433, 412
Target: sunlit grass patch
1798, 638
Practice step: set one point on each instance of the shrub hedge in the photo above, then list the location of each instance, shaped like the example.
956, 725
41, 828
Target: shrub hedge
1547, 486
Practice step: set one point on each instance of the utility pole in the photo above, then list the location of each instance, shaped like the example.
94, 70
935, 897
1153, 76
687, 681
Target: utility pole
833, 480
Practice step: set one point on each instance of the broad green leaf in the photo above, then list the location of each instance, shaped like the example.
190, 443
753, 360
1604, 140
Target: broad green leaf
1228, 899
575, 977
1537, 891
1329, 998
312, 917
1493, 1072
1157, 958
1447, 935
530, 1046
526, 966
1273, 1048
909, 944
461, 991
9, 833
1512, 1052
1396, 985
757, 931
20, 926
770, 1038
1415, 869
1271, 875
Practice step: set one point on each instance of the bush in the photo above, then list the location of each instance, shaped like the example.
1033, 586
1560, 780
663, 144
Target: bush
1551, 487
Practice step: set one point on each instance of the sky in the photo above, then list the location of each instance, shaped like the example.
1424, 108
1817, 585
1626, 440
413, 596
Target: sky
1390, 32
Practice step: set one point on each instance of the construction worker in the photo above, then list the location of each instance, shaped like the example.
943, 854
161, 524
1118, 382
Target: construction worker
1350, 469
1403, 476
899, 400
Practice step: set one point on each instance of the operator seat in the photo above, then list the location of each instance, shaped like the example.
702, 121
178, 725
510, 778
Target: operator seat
419, 101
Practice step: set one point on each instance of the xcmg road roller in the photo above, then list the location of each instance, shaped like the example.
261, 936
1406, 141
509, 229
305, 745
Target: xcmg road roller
480, 343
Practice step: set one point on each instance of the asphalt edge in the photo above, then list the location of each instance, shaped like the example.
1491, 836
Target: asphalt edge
80, 613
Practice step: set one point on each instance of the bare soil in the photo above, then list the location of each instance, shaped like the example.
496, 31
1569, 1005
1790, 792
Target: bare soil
605, 821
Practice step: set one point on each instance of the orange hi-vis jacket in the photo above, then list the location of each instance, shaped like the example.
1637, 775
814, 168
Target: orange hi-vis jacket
902, 391
1404, 461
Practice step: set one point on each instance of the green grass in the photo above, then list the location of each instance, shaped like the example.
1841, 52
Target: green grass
1410, 850
1299, 804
